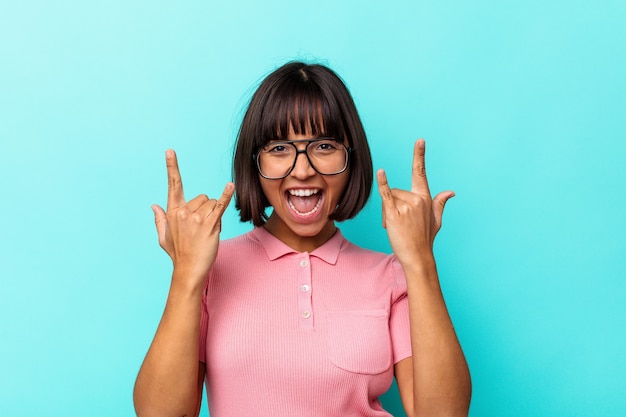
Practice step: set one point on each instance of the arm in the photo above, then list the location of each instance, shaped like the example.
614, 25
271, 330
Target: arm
435, 381
169, 382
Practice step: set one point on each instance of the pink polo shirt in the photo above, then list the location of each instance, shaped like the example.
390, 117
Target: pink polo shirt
286, 333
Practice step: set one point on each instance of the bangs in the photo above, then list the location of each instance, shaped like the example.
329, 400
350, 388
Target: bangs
300, 106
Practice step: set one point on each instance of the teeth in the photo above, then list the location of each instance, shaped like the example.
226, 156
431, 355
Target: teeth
304, 193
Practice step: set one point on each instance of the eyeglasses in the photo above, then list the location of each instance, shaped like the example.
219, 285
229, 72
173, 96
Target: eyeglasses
327, 156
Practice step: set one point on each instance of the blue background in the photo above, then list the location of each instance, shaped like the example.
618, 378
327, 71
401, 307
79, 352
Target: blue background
522, 105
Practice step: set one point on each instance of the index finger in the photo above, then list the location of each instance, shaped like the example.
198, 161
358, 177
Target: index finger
419, 183
175, 196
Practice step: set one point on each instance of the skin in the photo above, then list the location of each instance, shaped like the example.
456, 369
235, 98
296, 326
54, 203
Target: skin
434, 382
169, 382
303, 235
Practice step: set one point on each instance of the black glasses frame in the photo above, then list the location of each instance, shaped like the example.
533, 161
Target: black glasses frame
308, 142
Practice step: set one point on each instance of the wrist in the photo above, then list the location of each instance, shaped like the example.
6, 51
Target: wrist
420, 267
417, 260
188, 280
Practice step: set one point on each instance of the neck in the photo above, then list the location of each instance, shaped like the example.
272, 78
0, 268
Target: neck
298, 242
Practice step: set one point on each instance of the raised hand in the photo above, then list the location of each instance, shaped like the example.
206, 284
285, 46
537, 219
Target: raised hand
189, 231
412, 218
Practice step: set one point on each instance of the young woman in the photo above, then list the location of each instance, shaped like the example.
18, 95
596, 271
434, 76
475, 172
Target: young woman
291, 319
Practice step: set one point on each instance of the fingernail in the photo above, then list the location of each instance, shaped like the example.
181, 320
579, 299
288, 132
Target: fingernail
169, 153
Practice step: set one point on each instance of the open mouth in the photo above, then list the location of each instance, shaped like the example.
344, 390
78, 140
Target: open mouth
304, 202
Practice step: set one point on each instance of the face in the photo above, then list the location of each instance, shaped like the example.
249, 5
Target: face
303, 202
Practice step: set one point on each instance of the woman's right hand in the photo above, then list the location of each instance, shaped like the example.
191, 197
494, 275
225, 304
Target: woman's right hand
189, 230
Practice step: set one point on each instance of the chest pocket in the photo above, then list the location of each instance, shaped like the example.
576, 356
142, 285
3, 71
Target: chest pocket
359, 341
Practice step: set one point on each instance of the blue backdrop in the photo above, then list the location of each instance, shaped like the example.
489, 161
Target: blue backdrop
522, 105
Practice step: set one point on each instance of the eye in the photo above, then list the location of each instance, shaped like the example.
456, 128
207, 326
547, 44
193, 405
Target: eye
276, 149
327, 146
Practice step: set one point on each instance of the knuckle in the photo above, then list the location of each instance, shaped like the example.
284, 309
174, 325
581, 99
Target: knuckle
173, 182
403, 208
419, 166
219, 207
417, 201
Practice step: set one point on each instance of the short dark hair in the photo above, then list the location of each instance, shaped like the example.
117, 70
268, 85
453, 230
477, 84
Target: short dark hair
310, 99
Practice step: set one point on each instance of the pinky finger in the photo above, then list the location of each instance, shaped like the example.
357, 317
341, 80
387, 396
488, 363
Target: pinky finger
385, 194
383, 186
439, 203
224, 200
161, 223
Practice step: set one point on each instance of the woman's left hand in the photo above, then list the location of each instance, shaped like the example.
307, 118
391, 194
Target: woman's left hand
412, 218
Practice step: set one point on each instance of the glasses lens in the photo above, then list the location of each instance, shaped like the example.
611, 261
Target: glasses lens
327, 156
277, 159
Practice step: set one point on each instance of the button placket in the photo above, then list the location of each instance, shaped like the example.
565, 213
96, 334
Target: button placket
305, 309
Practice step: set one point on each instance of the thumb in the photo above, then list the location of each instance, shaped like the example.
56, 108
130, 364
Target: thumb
439, 203
161, 223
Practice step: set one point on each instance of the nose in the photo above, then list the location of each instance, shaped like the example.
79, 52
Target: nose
302, 168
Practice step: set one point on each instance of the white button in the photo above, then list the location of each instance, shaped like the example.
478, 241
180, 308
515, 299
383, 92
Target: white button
303, 263
306, 314
305, 288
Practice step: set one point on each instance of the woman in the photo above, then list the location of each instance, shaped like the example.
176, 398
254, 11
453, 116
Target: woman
291, 319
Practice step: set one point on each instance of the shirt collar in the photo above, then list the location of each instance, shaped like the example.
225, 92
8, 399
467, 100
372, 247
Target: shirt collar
275, 248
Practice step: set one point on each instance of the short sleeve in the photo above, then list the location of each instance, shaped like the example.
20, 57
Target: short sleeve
399, 325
